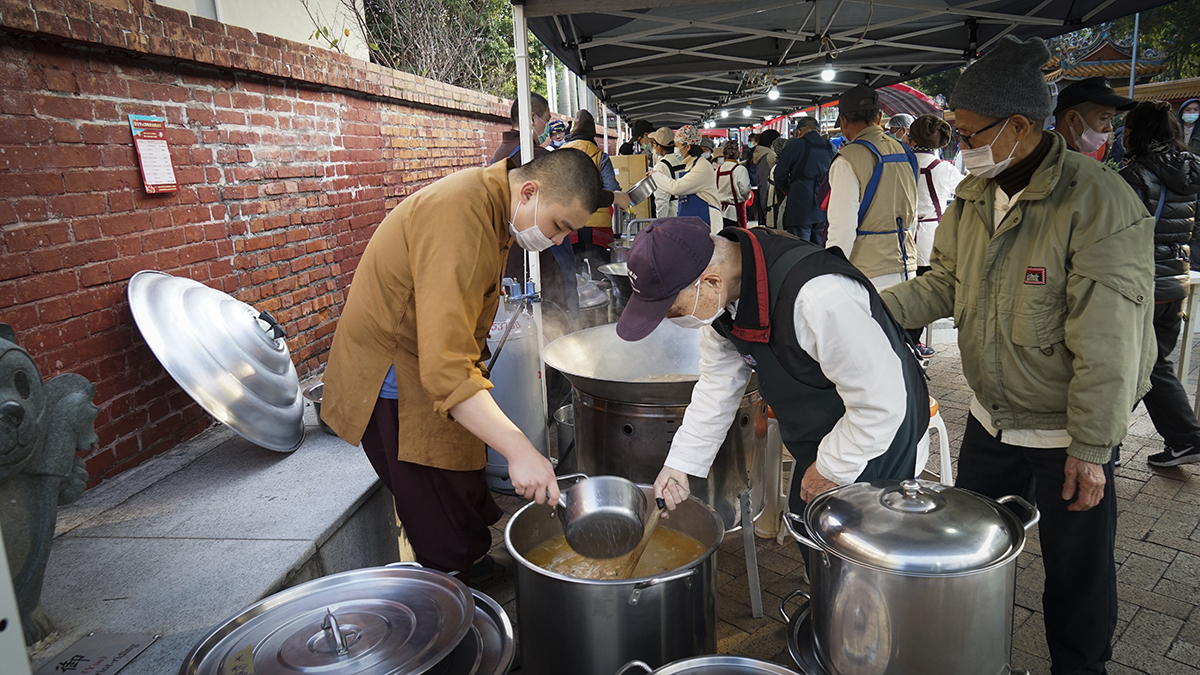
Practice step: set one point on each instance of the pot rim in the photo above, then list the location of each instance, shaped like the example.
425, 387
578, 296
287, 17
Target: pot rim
680, 572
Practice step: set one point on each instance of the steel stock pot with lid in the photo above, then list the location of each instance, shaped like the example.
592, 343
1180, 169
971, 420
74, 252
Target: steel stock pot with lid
911, 577
396, 620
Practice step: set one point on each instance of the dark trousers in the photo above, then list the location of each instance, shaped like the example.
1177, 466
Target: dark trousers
811, 232
1080, 596
446, 514
1167, 402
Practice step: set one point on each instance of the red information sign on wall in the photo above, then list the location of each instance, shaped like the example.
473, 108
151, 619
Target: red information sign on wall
154, 156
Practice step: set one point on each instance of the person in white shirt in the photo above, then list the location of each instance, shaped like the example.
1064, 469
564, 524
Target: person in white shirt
836, 369
693, 182
935, 189
733, 187
665, 161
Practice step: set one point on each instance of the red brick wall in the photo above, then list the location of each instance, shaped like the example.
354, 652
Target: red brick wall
287, 156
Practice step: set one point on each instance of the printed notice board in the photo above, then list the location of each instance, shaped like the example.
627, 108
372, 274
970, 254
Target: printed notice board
154, 156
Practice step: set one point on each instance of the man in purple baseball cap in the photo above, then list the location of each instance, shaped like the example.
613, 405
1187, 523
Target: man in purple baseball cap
837, 370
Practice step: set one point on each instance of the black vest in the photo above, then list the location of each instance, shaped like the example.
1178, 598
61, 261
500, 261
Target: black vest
775, 266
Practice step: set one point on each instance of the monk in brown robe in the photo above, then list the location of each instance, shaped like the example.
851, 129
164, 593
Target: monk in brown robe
406, 375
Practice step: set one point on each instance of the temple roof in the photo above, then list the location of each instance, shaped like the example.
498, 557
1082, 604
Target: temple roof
1173, 90
1092, 53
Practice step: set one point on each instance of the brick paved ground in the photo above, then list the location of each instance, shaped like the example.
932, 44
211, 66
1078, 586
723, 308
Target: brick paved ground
1158, 554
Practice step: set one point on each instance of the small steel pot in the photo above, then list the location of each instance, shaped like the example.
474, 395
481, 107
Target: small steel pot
313, 394
641, 190
911, 577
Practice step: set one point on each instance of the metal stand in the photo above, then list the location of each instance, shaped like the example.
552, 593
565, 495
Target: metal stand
756, 605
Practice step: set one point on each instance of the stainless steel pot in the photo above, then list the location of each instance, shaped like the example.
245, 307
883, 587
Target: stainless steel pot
711, 665
593, 300
911, 577
395, 620
602, 517
641, 190
593, 627
629, 402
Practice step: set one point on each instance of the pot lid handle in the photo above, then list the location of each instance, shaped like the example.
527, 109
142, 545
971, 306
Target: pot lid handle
273, 325
910, 497
334, 632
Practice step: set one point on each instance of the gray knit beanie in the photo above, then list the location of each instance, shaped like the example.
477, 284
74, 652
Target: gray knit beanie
1006, 81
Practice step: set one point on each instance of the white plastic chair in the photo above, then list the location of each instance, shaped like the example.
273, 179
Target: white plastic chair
936, 423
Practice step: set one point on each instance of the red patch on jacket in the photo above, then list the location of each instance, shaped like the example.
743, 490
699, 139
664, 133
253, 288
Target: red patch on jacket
1035, 276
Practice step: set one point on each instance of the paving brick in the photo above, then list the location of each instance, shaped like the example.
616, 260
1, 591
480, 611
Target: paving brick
1141, 571
1152, 630
1148, 662
1185, 652
1184, 569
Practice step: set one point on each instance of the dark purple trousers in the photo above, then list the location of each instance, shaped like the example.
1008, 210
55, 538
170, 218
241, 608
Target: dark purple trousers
447, 515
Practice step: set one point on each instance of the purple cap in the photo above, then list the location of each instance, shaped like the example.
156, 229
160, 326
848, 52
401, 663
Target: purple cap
667, 257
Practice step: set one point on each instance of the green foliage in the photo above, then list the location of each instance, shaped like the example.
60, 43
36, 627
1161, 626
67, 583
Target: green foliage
1174, 30
938, 84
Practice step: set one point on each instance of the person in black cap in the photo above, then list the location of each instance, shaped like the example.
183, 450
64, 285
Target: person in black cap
639, 144
1085, 112
834, 366
873, 193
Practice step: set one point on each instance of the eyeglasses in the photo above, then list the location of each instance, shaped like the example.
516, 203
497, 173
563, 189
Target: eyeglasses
966, 140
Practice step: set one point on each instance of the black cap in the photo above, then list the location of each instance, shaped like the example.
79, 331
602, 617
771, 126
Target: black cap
641, 127
1092, 90
856, 99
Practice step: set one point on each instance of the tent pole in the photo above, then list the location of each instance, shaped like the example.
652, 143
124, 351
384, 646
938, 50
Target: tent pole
552, 84
1137, 18
521, 48
604, 125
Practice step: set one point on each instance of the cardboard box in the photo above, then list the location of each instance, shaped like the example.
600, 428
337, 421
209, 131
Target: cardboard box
630, 169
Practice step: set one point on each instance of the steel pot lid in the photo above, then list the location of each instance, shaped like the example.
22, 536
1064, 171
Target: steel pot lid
914, 526
496, 635
709, 665
401, 620
226, 355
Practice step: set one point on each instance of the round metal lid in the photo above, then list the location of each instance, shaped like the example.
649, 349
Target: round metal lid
723, 665
378, 621
914, 526
496, 635
226, 355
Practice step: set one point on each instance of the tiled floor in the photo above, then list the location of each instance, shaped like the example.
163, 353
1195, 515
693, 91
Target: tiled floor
1158, 554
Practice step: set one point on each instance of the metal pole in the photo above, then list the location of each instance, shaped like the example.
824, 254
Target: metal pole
604, 124
1137, 18
521, 48
552, 84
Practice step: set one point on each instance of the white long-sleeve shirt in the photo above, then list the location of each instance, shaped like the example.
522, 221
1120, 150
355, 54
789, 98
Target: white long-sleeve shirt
664, 206
834, 325
739, 180
945, 179
700, 180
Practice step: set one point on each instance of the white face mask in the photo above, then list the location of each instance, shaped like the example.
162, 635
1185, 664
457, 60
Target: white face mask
693, 321
1090, 140
1190, 118
980, 162
531, 238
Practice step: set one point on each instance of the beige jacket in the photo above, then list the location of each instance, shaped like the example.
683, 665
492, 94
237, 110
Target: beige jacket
423, 299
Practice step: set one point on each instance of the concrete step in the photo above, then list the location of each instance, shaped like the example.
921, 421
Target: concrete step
183, 542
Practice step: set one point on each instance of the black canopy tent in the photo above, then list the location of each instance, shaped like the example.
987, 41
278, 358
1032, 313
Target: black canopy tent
684, 61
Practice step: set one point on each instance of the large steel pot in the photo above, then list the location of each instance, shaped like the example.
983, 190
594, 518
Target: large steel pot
911, 577
631, 440
593, 627
629, 402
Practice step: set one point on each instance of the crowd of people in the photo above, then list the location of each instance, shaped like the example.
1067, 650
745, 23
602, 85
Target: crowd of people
817, 264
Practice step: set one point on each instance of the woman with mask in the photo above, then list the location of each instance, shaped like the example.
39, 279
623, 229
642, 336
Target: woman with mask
1189, 112
663, 158
405, 375
733, 187
694, 184
1166, 177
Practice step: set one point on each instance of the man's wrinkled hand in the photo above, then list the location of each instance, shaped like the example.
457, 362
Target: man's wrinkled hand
672, 487
533, 477
814, 484
1086, 479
